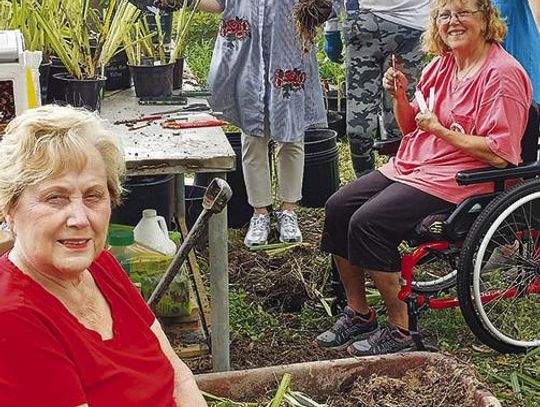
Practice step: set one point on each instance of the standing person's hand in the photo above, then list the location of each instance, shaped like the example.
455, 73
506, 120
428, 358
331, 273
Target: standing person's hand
333, 46
395, 82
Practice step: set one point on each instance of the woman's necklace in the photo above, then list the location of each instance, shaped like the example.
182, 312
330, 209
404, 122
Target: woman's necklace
467, 73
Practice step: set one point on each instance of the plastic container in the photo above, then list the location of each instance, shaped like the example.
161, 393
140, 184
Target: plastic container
152, 232
321, 169
145, 268
121, 246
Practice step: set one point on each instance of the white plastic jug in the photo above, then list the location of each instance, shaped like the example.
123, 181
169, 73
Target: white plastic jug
152, 232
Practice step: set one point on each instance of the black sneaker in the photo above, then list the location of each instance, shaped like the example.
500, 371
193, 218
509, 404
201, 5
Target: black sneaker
386, 340
348, 328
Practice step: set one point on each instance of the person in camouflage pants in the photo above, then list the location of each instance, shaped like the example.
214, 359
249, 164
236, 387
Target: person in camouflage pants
370, 42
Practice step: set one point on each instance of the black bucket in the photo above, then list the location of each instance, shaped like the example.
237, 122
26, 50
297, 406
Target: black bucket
56, 88
335, 103
193, 197
117, 72
321, 170
239, 211
146, 192
336, 122
153, 80
86, 93
44, 69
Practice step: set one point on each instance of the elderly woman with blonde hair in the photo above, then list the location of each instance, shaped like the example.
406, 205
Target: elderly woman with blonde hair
74, 330
470, 111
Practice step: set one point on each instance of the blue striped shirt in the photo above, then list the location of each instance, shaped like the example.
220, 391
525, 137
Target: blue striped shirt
258, 69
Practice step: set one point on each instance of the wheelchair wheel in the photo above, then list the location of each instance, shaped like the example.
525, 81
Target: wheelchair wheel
436, 272
499, 271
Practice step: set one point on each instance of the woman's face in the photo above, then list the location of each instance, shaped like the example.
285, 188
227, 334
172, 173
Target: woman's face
461, 25
61, 223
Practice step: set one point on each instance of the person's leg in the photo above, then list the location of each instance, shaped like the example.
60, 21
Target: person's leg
354, 282
256, 168
404, 42
364, 91
357, 319
290, 169
375, 232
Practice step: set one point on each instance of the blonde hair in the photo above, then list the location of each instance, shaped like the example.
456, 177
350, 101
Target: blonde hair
432, 42
43, 142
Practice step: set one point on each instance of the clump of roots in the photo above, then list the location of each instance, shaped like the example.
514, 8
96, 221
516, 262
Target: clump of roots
309, 15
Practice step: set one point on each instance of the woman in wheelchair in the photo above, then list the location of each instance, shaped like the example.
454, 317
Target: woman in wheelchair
469, 111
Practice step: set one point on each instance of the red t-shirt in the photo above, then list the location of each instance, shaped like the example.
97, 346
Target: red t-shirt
48, 358
493, 103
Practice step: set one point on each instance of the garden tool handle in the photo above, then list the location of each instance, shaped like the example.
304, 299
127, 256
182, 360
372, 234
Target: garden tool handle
175, 124
214, 201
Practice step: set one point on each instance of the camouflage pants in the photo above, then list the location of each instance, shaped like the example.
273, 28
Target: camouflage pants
370, 42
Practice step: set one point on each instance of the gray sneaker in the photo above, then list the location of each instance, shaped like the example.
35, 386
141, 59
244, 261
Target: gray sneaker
386, 340
288, 227
348, 328
259, 228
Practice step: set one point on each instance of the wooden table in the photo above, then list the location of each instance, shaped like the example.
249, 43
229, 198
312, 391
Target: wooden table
154, 150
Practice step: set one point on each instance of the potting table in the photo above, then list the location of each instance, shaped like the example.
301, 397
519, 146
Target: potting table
153, 150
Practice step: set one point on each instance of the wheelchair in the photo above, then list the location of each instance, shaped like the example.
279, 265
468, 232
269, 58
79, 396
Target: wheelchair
487, 250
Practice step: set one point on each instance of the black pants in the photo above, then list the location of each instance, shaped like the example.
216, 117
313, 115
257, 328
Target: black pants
367, 219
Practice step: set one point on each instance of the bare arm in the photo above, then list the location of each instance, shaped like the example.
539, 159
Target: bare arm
186, 392
210, 6
396, 83
472, 145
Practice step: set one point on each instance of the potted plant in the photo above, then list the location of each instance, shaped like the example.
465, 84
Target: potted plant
20, 15
72, 35
147, 59
181, 28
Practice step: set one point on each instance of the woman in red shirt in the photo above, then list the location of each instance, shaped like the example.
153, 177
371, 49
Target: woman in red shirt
74, 331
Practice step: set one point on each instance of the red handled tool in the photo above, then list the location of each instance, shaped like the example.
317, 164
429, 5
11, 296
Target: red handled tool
175, 124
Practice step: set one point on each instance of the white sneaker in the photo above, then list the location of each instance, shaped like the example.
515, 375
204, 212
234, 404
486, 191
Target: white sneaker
288, 227
259, 228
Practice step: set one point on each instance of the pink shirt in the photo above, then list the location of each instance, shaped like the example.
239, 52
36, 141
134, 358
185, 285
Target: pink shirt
493, 103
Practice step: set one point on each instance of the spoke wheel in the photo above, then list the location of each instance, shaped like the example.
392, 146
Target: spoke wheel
499, 280
436, 272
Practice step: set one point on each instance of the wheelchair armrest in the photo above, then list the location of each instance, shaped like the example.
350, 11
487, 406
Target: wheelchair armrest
492, 174
387, 147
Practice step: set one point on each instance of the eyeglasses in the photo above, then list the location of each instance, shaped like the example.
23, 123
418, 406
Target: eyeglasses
446, 16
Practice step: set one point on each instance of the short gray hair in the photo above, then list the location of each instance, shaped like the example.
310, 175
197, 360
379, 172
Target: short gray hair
43, 142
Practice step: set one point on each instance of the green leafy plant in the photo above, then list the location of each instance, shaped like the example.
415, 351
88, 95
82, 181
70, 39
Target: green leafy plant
183, 21
78, 26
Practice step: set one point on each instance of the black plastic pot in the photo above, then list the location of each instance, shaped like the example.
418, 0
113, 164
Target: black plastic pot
333, 102
336, 122
321, 170
178, 73
44, 69
117, 72
146, 192
193, 199
153, 80
85, 93
56, 88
